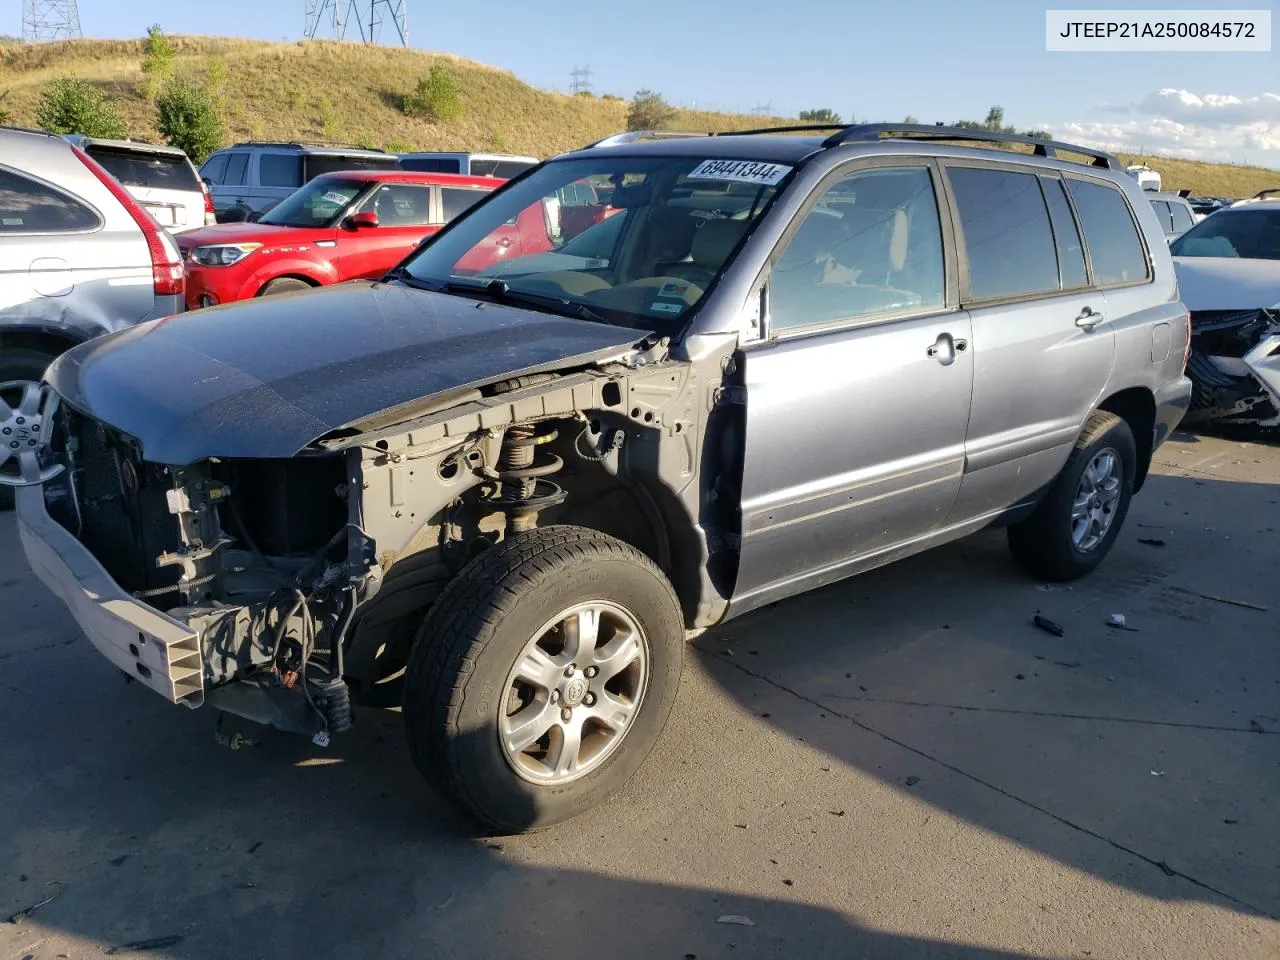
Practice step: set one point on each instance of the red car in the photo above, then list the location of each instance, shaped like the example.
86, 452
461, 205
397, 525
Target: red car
340, 226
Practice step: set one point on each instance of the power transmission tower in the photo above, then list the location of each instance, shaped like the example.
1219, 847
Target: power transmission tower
580, 79
763, 109
50, 20
332, 17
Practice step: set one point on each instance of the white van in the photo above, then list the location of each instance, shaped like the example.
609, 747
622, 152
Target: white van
501, 165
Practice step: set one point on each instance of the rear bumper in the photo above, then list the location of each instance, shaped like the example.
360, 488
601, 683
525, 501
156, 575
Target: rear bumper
155, 649
1172, 401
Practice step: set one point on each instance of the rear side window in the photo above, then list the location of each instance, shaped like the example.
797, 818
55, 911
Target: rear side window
400, 204
431, 164
215, 168
505, 169
1181, 217
135, 169
1115, 249
1070, 249
316, 164
1006, 230
1163, 215
280, 170
455, 201
237, 163
30, 207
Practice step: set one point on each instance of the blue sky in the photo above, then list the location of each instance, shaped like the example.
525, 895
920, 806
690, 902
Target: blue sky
936, 60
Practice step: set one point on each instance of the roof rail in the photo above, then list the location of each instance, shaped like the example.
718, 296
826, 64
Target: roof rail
795, 128
306, 143
866, 132
631, 136
1267, 194
17, 129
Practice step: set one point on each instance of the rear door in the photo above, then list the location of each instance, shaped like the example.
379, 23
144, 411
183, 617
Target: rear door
404, 219
1042, 346
164, 183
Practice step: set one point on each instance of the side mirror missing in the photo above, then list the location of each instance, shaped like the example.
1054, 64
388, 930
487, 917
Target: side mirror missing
366, 218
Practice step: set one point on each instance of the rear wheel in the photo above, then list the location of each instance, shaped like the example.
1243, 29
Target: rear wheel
283, 285
19, 367
543, 675
1078, 521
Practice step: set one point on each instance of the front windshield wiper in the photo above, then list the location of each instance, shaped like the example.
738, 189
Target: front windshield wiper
402, 275
500, 291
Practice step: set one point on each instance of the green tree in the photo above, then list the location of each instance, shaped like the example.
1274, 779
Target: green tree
821, 115
72, 105
649, 111
157, 60
218, 73
437, 97
910, 119
188, 118
995, 119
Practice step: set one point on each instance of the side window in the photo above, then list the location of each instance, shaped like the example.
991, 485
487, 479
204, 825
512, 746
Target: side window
215, 168
430, 164
400, 204
280, 170
1065, 234
1181, 217
1115, 248
455, 200
871, 244
30, 207
236, 165
1163, 215
1006, 231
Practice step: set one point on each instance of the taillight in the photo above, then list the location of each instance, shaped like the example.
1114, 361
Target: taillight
166, 262
210, 215
1186, 350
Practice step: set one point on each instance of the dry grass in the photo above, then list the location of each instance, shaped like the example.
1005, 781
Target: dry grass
321, 90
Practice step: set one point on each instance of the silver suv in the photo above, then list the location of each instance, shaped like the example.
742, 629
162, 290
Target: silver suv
1174, 213
503, 489
250, 178
79, 256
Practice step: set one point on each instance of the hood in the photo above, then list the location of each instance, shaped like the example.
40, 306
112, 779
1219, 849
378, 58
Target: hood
266, 377
238, 233
1227, 283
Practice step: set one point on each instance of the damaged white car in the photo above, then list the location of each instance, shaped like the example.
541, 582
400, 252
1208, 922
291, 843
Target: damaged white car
1229, 277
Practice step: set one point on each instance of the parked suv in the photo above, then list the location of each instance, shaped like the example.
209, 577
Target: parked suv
254, 176
79, 256
340, 226
501, 165
163, 180
505, 495
1174, 213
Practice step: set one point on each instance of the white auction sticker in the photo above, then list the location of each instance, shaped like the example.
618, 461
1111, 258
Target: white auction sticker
1132, 31
740, 171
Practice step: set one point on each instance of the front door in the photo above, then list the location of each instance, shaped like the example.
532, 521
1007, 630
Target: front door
858, 399
404, 219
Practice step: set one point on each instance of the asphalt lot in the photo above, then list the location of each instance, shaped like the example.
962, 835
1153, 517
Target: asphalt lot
900, 766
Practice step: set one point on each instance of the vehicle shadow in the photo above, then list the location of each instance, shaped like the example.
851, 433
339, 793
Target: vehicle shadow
1146, 756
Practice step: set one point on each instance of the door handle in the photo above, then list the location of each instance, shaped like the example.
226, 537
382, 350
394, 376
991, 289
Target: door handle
1088, 319
945, 348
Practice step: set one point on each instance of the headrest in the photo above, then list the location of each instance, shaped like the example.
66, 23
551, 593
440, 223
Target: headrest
715, 240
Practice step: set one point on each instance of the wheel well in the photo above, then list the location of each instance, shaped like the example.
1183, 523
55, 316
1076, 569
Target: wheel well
309, 281
46, 341
1137, 407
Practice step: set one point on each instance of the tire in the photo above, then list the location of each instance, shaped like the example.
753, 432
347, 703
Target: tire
461, 691
283, 285
1047, 544
20, 364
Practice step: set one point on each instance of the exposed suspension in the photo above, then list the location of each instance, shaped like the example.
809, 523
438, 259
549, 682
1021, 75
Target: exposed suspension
524, 488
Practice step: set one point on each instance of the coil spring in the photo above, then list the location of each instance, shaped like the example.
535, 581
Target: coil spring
523, 488
334, 700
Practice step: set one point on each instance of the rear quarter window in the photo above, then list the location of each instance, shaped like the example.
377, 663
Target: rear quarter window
1007, 234
27, 206
318, 164
431, 164
1115, 249
1182, 219
456, 200
166, 172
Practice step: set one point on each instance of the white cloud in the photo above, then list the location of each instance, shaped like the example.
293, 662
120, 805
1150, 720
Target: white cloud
1181, 123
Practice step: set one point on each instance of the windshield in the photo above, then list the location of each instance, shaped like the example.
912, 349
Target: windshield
317, 204
138, 169
1251, 234
633, 240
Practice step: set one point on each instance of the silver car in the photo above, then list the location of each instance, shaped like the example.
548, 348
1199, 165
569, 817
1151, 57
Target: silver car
503, 489
79, 257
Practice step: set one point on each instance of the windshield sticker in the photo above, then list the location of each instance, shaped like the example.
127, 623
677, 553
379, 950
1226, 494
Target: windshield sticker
674, 288
335, 197
667, 307
12, 221
741, 171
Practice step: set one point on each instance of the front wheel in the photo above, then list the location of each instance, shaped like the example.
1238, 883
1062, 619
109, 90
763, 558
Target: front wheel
283, 285
543, 676
19, 368
1073, 528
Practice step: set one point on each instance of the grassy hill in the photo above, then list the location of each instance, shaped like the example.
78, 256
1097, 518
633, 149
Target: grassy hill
321, 90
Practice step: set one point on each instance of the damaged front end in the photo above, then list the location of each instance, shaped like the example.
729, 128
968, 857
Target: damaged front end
1235, 367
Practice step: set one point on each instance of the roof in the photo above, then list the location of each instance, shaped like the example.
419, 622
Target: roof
473, 156
766, 148
413, 176
1164, 195
320, 148
138, 146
